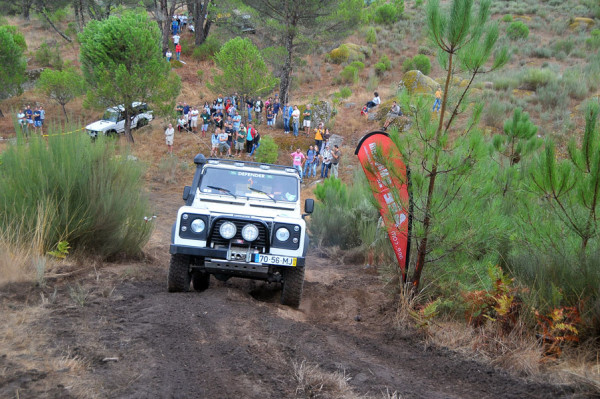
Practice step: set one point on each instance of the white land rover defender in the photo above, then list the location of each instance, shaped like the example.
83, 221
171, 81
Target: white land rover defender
240, 219
113, 120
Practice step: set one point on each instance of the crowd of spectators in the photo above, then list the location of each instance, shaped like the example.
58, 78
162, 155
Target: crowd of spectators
28, 119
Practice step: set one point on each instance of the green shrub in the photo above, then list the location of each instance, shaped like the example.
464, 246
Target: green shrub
593, 42
387, 14
425, 50
379, 68
267, 152
48, 56
349, 74
71, 189
517, 30
208, 49
408, 65
507, 18
534, 78
371, 36
552, 95
386, 61
344, 92
541, 52
340, 54
358, 65
422, 63
563, 45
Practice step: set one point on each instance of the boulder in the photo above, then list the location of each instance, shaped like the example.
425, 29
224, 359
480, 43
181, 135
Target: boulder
336, 139
321, 112
417, 83
581, 21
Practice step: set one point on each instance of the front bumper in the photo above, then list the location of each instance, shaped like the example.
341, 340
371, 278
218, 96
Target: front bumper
219, 256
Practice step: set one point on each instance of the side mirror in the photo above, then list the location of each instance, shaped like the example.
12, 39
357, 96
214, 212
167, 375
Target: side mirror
186, 192
309, 205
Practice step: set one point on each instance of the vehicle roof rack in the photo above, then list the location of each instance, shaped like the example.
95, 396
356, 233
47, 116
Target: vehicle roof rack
240, 163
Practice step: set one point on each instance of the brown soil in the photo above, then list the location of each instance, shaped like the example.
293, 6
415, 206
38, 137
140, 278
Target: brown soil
232, 341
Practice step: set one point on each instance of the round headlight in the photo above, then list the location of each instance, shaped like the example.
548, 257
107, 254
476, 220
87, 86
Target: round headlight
198, 226
250, 232
227, 230
282, 234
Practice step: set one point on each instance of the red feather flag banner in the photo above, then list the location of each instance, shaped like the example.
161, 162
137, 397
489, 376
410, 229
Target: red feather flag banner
390, 189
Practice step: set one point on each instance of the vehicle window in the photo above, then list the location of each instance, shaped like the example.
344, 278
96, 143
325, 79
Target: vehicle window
250, 184
112, 116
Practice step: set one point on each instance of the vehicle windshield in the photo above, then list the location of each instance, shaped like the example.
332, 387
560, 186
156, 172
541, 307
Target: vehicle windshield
110, 115
256, 185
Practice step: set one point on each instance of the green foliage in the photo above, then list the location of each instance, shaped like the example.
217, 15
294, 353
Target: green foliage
274, 56
12, 62
340, 54
349, 74
371, 36
267, 152
383, 65
48, 56
358, 65
422, 63
61, 251
563, 45
408, 65
61, 86
507, 18
388, 13
242, 69
517, 30
347, 211
208, 49
122, 62
534, 78
343, 93
71, 189
593, 42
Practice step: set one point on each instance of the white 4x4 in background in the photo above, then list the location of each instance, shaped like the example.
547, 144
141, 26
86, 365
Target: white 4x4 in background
113, 120
240, 219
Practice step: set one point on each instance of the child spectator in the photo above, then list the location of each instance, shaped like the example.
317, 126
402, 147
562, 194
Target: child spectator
270, 116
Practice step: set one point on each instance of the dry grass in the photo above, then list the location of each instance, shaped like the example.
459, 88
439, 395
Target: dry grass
313, 382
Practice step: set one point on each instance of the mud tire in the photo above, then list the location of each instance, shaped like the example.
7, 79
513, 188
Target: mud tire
200, 281
293, 284
179, 273
142, 122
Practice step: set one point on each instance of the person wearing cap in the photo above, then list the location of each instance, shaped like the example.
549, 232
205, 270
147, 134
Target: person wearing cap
326, 159
336, 154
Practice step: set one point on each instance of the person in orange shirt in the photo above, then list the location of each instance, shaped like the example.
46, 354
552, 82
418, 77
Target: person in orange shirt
438, 99
319, 135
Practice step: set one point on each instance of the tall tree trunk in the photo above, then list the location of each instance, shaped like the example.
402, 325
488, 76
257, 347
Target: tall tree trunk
1, 114
42, 11
286, 73
65, 112
27, 8
200, 14
416, 279
127, 132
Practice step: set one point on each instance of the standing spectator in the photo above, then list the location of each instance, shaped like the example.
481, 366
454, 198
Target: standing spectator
214, 142
268, 102
169, 55
326, 159
249, 106
393, 114
298, 159
179, 109
258, 106
186, 112
276, 107
176, 38
218, 118
311, 156
296, 119
438, 100
255, 143
23, 122
169, 134
250, 137
270, 116
206, 107
306, 124
205, 121
29, 117
287, 114
336, 154
194, 113
223, 145
42, 114
175, 26
240, 140
37, 121
237, 121
230, 132
178, 51
319, 135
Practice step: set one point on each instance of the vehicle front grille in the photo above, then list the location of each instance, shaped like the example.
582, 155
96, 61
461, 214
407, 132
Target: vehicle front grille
261, 242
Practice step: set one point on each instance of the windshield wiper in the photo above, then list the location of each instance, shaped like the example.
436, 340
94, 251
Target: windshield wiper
226, 191
262, 192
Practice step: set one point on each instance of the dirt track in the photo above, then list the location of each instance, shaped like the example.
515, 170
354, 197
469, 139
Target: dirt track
236, 341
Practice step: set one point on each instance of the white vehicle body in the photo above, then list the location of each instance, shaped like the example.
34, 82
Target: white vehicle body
113, 120
241, 219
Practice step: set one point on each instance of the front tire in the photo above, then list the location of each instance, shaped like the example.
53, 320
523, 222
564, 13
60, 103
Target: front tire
142, 122
179, 273
200, 280
293, 284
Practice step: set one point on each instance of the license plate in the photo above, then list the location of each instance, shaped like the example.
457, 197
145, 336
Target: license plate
275, 260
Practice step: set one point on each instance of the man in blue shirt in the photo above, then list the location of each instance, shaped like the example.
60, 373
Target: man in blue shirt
310, 165
37, 121
287, 114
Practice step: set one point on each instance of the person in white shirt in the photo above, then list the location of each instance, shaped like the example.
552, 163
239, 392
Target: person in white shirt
169, 55
176, 38
169, 134
296, 119
374, 102
194, 119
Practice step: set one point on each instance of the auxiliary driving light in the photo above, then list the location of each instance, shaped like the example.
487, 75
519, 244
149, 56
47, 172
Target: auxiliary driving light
250, 232
227, 230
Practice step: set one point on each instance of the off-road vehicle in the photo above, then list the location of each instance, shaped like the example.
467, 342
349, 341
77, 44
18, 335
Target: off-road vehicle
113, 120
240, 219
